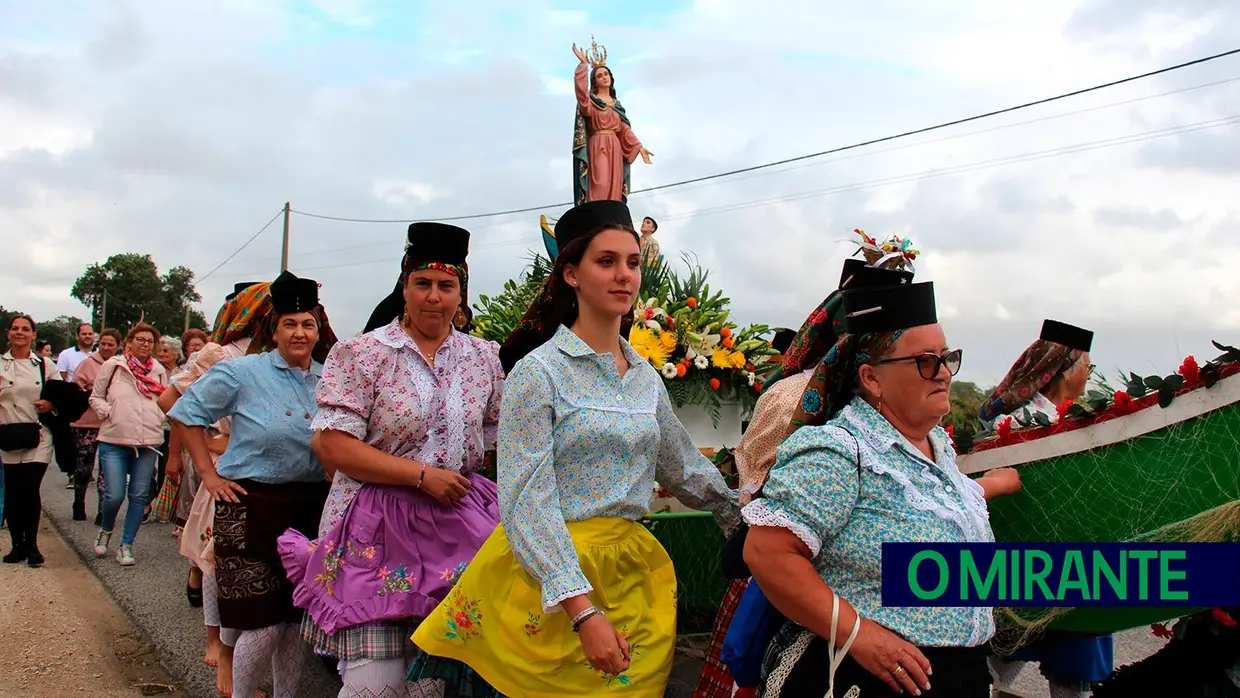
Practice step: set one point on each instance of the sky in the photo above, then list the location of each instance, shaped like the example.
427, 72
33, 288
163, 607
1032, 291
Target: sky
180, 128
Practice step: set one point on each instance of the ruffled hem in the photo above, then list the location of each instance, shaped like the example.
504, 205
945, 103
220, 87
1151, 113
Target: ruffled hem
294, 549
460, 681
332, 618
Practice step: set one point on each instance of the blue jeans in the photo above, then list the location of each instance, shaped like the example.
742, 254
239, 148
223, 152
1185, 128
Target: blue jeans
118, 463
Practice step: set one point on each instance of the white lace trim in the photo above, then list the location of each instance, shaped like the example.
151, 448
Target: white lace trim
758, 513
552, 605
339, 419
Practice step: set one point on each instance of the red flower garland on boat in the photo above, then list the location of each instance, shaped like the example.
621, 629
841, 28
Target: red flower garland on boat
1062, 409
1190, 370
1223, 618
1123, 402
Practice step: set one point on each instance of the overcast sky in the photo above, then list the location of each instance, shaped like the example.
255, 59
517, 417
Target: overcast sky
167, 128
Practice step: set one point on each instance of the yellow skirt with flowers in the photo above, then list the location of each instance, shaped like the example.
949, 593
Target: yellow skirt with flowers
493, 622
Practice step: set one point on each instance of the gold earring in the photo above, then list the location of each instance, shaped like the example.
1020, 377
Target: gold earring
880, 406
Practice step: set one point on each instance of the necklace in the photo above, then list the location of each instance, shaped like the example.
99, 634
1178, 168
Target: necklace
429, 356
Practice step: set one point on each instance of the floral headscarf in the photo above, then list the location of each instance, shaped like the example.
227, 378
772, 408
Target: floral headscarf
834, 382
1037, 366
248, 315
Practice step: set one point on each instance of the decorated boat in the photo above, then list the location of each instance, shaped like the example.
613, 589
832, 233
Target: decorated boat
1158, 461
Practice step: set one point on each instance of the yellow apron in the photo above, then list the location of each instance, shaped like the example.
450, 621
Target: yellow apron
492, 620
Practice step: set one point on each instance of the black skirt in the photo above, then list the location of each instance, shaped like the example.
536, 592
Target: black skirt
794, 669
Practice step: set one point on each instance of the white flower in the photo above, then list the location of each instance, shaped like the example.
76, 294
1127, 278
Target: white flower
701, 362
750, 377
669, 370
654, 325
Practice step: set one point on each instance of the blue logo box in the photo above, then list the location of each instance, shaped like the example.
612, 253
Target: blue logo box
1061, 574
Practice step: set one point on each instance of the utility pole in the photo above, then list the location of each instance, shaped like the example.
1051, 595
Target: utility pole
103, 314
186, 329
284, 252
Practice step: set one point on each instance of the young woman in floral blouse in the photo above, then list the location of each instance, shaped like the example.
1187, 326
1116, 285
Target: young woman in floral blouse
571, 596
407, 415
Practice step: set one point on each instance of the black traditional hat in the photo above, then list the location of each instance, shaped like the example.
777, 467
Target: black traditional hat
437, 242
589, 217
238, 288
291, 294
857, 273
1070, 336
889, 308
782, 340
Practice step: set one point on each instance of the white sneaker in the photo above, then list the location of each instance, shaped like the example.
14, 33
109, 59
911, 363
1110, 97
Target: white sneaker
125, 556
101, 542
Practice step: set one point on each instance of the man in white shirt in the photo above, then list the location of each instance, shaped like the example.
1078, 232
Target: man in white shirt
69, 359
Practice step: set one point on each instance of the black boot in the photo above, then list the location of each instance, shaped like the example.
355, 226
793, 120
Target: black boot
35, 558
79, 505
20, 551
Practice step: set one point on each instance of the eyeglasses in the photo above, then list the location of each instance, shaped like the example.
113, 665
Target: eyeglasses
143, 341
928, 365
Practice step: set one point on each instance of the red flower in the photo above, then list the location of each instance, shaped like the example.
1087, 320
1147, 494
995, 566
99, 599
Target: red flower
1005, 429
757, 387
1123, 402
1222, 618
692, 302
1161, 631
671, 322
649, 313
1190, 370
951, 432
714, 384
1061, 410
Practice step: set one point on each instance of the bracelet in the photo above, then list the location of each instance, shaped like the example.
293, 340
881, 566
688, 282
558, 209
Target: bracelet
421, 477
585, 615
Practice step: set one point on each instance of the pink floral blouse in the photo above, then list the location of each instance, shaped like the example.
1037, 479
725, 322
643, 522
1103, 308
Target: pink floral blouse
379, 388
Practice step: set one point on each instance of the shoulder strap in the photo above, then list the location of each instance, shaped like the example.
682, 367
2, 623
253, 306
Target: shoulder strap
111, 377
42, 371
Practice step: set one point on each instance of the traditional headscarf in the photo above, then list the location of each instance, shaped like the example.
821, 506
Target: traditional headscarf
249, 315
1058, 348
429, 246
535, 327
874, 318
821, 329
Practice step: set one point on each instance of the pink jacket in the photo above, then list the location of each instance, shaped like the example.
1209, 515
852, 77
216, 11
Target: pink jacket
84, 375
129, 419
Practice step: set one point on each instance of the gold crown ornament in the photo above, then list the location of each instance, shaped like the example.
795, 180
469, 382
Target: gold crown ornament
596, 55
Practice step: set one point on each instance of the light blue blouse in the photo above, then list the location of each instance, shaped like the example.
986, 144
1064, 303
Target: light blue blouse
271, 405
847, 486
576, 441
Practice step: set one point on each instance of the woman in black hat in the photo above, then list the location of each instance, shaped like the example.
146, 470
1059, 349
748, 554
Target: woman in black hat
1051, 371
267, 481
571, 596
881, 469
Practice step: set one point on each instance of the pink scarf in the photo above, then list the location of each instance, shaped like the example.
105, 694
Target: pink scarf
150, 388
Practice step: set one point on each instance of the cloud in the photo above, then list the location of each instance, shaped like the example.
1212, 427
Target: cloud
180, 130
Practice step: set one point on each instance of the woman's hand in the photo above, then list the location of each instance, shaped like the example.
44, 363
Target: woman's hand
217, 444
174, 467
646, 155
605, 648
999, 482
444, 485
223, 490
884, 654
579, 53
42, 406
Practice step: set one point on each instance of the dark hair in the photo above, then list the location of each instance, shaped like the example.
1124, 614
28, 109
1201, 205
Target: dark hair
273, 320
40, 343
561, 306
33, 327
653, 223
111, 332
139, 329
594, 73
193, 334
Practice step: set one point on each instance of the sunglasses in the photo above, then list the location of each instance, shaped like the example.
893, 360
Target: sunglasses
928, 365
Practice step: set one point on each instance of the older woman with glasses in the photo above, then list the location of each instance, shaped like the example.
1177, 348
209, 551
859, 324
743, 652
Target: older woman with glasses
867, 462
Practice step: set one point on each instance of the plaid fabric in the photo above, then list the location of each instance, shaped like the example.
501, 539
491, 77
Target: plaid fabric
370, 641
716, 680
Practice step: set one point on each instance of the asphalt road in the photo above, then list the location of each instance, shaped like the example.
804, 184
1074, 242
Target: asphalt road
152, 594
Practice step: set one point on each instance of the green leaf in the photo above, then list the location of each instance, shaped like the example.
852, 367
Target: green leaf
1096, 406
1166, 395
1094, 395
1172, 382
1041, 419
1210, 374
1076, 411
1153, 382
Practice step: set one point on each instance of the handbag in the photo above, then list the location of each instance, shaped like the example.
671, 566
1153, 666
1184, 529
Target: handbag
756, 620
23, 436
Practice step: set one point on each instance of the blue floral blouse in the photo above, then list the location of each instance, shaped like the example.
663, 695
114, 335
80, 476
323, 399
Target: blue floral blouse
578, 441
847, 486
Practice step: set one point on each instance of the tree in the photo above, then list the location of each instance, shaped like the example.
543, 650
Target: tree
966, 400
6, 316
61, 332
134, 289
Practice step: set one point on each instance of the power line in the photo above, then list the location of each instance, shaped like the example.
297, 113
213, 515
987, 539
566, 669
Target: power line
246, 244
888, 181
799, 158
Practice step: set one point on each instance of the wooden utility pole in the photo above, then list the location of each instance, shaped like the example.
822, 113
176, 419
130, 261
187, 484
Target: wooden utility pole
103, 314
284, 252
186, 319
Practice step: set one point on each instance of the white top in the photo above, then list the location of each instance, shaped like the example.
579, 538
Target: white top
69, 360
20, 386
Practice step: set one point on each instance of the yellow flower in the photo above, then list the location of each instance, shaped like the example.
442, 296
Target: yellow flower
738, 360
722, 358
669, 340
648, 345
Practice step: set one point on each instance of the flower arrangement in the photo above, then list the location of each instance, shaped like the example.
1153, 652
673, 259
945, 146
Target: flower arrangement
894, 253
703, 356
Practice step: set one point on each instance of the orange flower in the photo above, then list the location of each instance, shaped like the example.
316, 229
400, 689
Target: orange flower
714, 384
682, 369
727, 341
725, 333
692, 302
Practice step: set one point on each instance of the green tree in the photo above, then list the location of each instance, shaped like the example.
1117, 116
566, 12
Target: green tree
6, 316
135, 290
61, 331
966, 400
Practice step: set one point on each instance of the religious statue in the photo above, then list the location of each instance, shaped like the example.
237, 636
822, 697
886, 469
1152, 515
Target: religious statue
604, 144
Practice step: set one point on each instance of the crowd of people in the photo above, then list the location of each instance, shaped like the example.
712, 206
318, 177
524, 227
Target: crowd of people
439, 515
